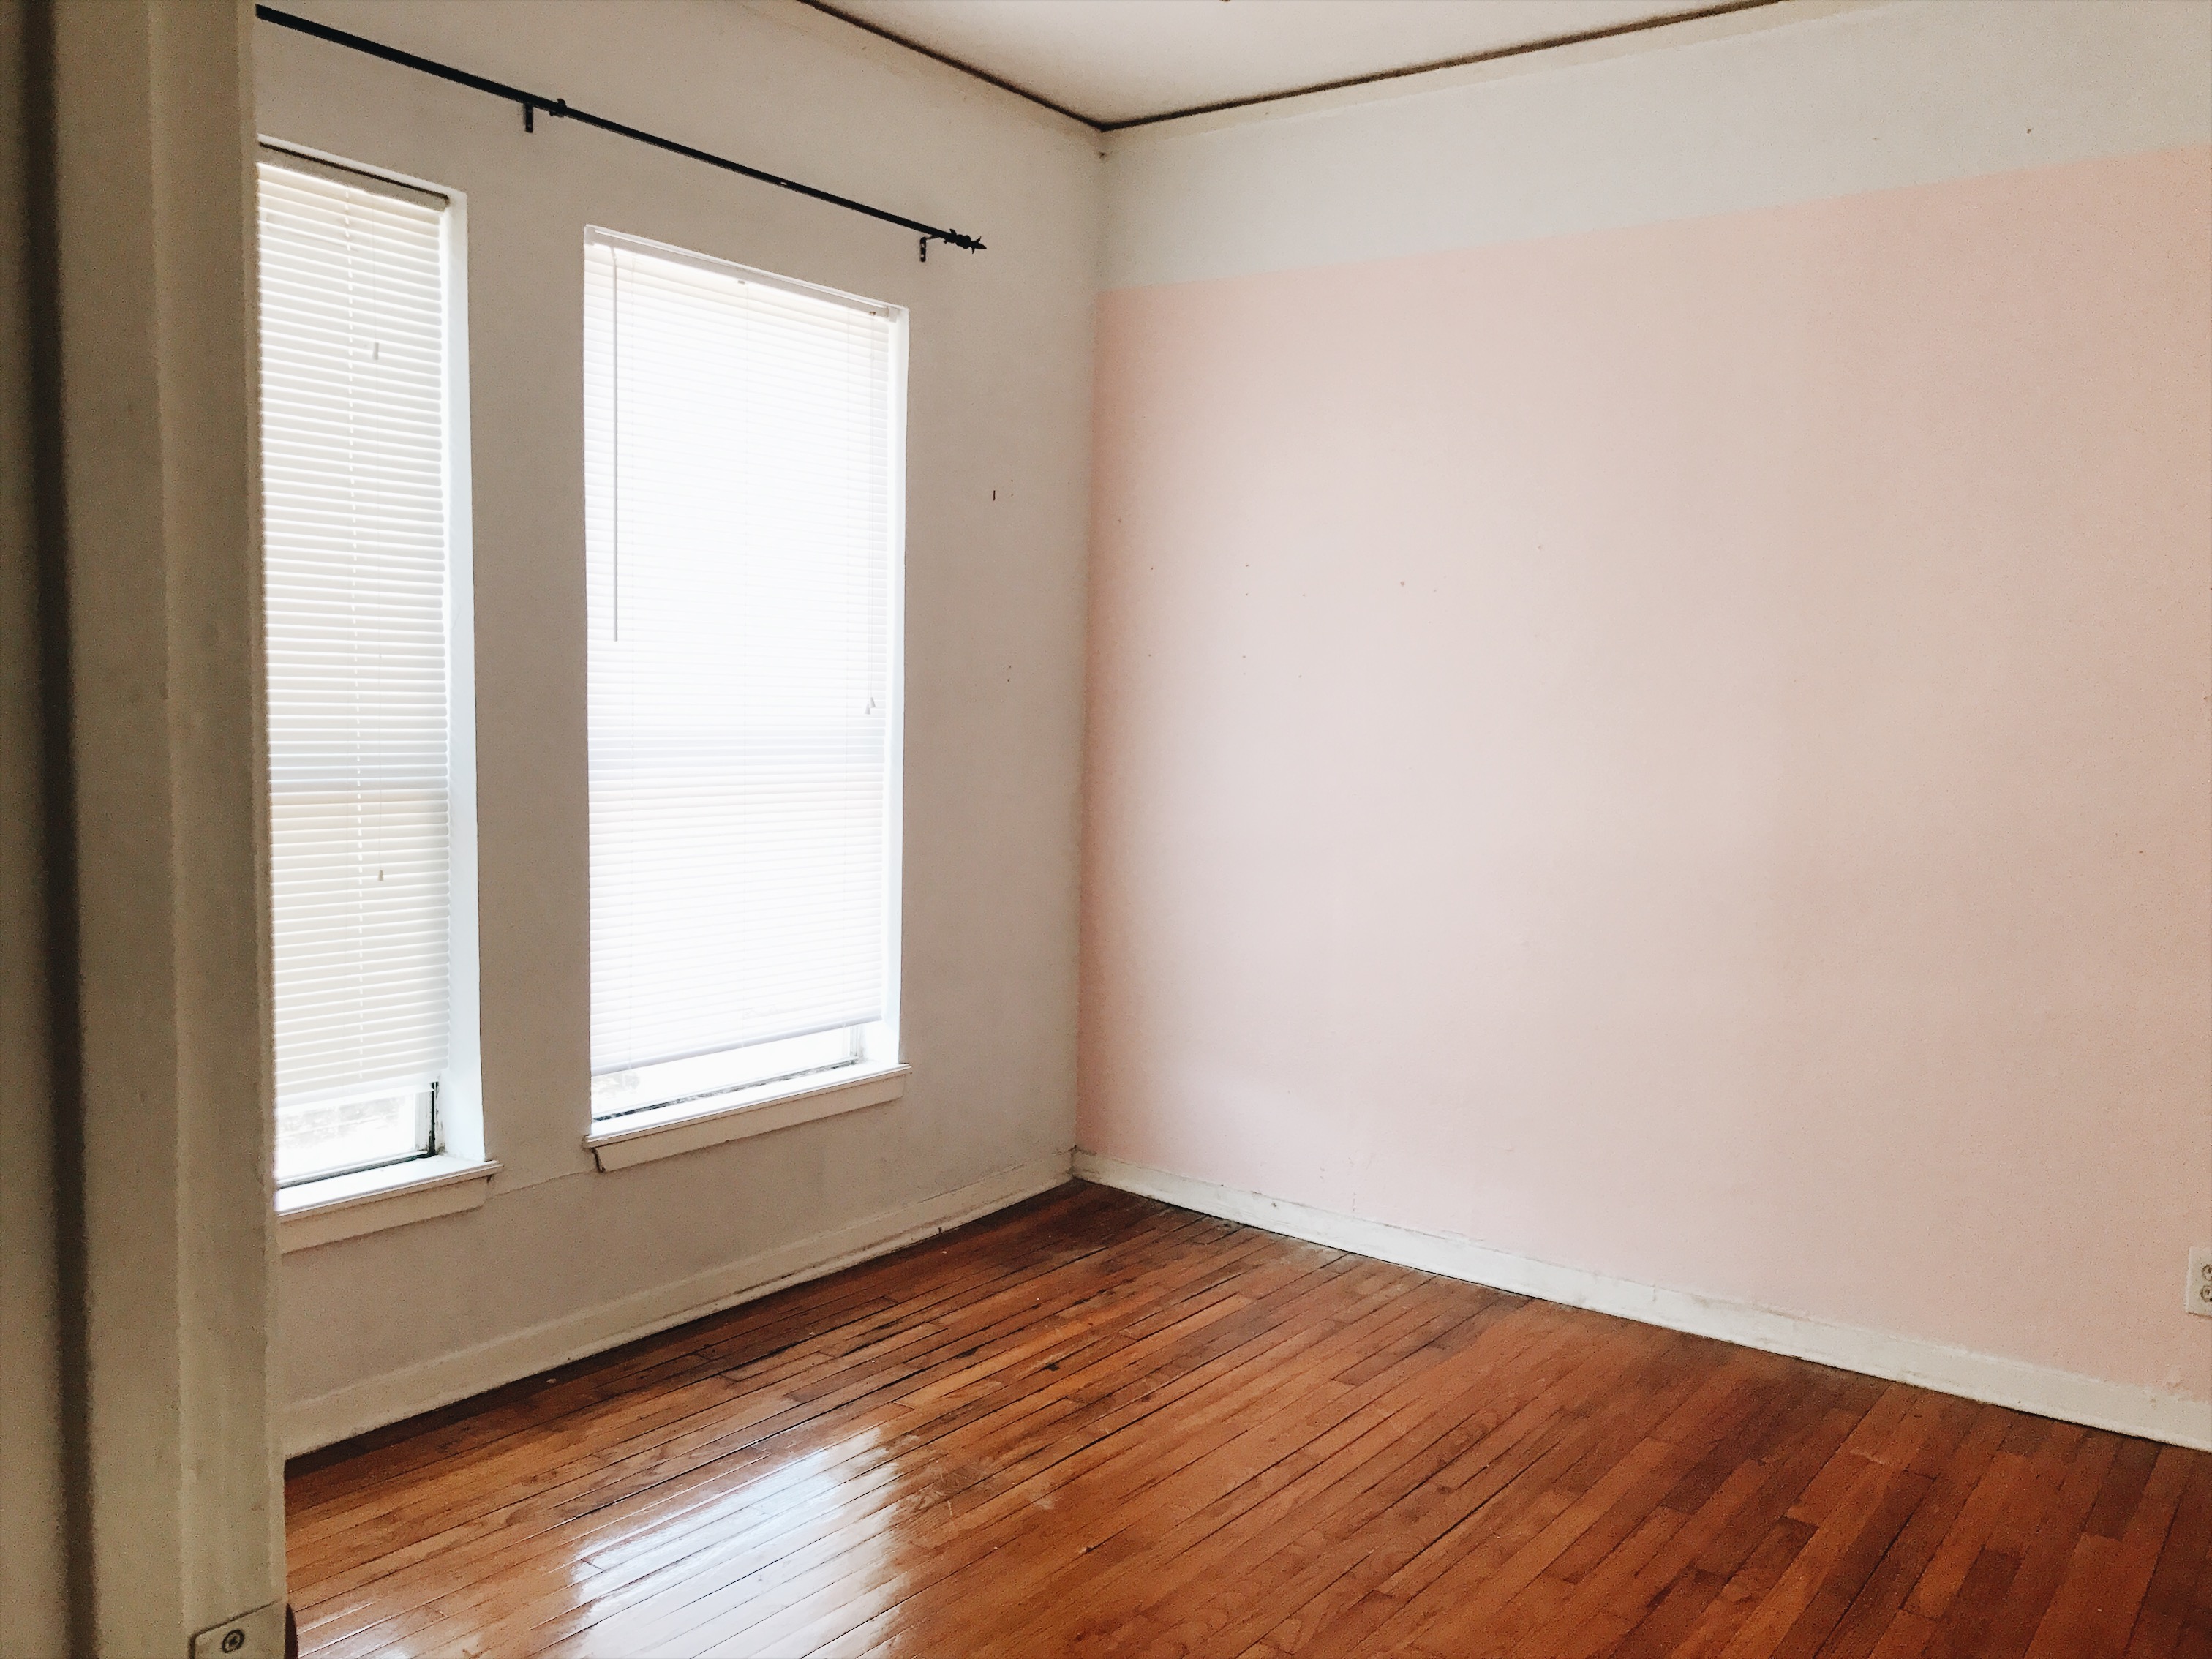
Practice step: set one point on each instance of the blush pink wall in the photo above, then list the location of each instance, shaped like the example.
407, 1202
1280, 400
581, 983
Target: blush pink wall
1684, 752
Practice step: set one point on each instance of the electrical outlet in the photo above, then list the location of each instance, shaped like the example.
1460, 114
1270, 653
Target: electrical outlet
2196, 1298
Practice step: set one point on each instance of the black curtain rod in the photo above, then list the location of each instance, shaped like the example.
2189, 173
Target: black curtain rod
532, 102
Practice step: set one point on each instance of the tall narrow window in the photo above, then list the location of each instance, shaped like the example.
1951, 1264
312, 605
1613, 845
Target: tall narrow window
742, 440
354, 409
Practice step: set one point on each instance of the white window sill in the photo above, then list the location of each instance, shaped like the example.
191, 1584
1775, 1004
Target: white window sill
640, 1137
345, 1206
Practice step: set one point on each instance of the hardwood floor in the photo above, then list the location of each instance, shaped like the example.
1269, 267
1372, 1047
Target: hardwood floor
1096, 1425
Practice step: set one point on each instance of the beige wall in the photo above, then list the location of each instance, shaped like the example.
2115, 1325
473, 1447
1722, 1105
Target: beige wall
562, 1256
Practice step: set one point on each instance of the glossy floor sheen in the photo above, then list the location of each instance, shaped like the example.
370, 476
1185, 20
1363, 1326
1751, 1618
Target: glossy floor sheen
1094, 1424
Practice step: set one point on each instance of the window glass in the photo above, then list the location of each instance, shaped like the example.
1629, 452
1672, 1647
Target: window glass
354, 463
742, 450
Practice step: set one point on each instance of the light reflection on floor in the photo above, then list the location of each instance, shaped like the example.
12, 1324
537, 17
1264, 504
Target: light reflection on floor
788, 1550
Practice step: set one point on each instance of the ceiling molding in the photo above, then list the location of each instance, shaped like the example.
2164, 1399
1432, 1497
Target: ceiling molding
1550, 42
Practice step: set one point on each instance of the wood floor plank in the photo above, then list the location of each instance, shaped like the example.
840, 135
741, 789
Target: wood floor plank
1163, 1584
803, 1446
932, 1326
1303, 1554
1955, 1476
1095, 1427
729, 1439
1417, 1543
2188, 1546
2108, 1577
1051, 1226
1117, 1468
1141, 1380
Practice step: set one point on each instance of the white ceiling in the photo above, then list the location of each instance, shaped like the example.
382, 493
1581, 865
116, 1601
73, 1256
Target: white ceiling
1112, 61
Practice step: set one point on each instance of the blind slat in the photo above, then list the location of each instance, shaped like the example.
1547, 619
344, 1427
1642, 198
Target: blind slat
739, 557
355, 510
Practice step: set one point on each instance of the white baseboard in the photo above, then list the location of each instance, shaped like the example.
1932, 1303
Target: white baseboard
375, 1401
2073, 1398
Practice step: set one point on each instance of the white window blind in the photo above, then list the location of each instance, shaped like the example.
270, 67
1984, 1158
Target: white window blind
742, 476
353, 456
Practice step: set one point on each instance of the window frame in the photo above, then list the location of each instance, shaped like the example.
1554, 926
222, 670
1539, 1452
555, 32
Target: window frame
450, 1141
875, 1072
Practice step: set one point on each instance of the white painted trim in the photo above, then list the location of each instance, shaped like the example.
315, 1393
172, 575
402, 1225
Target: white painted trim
642, 1137
1402, 84
370, 1200
2073, 1398
377, 1400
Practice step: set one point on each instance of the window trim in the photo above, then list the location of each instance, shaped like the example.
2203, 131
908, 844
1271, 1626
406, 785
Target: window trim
333, 1207
877, 1076
456, 1128
658, 1132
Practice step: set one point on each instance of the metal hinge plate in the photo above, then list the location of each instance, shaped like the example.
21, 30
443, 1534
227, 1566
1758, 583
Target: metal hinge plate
255, 1635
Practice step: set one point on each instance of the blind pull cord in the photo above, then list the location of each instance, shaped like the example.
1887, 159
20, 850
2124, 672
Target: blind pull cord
614, 341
